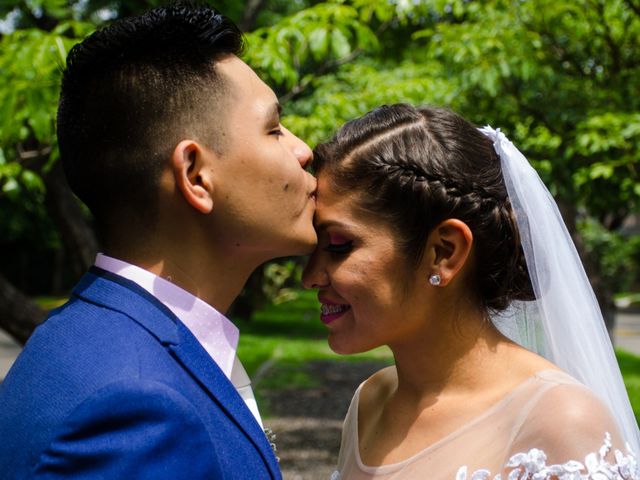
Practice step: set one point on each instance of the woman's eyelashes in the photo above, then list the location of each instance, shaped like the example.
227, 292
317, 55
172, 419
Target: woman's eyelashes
340, 248
338, 244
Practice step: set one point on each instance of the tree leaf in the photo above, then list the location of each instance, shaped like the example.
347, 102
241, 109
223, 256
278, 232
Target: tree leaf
339, 44
319, 43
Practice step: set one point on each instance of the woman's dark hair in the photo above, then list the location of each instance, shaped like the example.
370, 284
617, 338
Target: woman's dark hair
130, 92
416, 167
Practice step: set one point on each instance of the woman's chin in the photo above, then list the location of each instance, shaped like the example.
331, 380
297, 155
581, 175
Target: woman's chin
339, 346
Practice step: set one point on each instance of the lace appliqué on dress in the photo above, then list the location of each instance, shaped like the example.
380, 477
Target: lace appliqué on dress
533, 466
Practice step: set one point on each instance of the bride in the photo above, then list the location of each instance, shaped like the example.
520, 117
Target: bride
439, 240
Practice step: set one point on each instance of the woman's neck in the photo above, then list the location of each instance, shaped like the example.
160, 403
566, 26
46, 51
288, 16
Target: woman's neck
457, 353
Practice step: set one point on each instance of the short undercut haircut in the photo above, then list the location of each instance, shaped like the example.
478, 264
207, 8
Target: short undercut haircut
130, 93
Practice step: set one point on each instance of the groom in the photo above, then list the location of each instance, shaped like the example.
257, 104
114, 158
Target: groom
176, 147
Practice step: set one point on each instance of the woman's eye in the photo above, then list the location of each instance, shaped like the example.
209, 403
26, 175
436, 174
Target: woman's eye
277, 132
340, 248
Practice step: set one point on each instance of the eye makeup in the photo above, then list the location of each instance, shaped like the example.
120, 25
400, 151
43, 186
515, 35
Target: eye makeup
338, 244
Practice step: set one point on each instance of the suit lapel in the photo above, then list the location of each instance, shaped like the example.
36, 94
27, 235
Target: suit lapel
195, 359
117, 293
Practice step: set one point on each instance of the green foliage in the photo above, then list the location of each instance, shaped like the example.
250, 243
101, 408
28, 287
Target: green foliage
325, 32
31, 62
559, 77
613, 252
21, 200
630, 367
611, 178
565, 66
49, 302
279, 278
355, 89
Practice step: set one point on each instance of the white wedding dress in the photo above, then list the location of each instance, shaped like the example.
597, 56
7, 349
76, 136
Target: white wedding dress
550, 426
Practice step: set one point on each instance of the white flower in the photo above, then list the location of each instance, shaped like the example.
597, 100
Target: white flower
529, 465
477, 475
533, 466
335, 475
481, 475
462, 473
626, 464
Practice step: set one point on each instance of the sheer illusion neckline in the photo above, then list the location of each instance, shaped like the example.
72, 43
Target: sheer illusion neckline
542, 375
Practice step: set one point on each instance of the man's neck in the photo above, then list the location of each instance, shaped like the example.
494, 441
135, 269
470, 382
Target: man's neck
215, 281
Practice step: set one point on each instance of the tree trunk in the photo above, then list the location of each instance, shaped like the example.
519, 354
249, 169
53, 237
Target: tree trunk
19, 315
78, 235
251, 12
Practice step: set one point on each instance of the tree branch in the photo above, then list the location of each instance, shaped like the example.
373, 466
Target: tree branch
77, 234
44, 22
19, 315
635, 8
560, 53
613, 47
251, 12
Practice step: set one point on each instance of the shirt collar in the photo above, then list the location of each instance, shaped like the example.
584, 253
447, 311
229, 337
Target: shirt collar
215, 332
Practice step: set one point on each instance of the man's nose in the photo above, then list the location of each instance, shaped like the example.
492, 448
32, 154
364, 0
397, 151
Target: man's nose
300, 150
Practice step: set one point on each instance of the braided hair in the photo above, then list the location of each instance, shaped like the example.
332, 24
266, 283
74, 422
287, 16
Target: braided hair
416, 167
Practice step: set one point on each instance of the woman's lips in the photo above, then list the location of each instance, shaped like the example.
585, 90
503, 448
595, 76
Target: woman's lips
332, 311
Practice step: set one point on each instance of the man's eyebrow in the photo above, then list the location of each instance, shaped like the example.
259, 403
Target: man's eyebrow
274, 111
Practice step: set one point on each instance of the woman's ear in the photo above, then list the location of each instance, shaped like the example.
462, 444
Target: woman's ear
191, 167
449, 246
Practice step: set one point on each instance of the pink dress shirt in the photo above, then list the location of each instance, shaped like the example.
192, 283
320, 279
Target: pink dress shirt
215, 332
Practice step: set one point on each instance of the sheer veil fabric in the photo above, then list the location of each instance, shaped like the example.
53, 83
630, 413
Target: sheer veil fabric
564, 324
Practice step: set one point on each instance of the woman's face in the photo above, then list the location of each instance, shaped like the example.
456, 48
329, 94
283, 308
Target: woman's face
369, 295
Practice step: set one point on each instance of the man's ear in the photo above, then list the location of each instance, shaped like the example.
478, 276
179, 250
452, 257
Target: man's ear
191, 166
449, 246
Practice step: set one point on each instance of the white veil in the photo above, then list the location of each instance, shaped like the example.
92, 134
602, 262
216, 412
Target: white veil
564, 323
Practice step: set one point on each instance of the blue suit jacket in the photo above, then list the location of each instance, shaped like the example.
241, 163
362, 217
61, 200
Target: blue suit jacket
114, 386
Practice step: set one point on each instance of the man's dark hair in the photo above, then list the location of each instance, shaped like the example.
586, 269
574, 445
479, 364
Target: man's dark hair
130, 93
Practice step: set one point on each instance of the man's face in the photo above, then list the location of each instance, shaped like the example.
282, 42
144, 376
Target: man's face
264, 200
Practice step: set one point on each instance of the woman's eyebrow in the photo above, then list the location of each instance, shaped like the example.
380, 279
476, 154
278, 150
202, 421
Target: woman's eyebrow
324, 224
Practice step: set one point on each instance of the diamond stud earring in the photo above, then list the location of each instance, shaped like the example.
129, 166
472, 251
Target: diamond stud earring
435, 279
